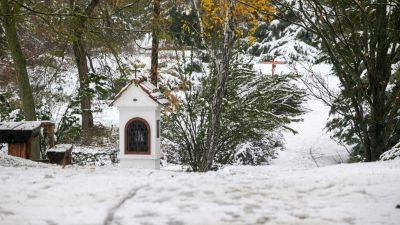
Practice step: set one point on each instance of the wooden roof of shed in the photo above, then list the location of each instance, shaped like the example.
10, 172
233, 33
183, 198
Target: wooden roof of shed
20, 131
23, 125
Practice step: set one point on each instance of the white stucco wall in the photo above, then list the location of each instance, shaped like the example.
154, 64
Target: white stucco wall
135, 103
135, 92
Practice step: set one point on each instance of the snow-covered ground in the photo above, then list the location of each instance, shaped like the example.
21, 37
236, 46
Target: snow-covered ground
300, 187
365, 193
312, 145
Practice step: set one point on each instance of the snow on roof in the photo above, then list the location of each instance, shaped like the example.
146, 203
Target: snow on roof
11, 132
23, 125
60, 148
151, 90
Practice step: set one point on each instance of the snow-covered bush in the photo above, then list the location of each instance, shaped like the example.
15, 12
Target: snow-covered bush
9, 110
255, 107
170, 153
393, 153
256, 153
68, 128
94, 155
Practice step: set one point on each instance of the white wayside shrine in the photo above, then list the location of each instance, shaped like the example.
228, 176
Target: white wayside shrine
139, 104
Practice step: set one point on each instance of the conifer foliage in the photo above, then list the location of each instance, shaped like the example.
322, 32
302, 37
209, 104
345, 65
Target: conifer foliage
256, 107
361, 41
282, 40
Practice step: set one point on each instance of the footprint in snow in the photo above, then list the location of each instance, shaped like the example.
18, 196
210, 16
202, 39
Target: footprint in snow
32, 196
48, 176
6, 212
175, 222
249, 209
46, 187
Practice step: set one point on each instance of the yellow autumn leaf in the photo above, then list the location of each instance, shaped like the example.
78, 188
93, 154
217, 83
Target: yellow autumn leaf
246, 13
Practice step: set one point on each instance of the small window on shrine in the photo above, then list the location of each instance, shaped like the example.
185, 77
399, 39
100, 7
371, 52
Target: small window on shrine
137, 137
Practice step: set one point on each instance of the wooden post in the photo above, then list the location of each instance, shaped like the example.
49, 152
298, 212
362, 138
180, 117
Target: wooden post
49, 128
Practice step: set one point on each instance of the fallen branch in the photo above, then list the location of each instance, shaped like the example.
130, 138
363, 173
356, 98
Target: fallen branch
313, 157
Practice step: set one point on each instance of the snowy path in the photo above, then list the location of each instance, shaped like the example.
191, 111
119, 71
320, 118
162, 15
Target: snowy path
312, 145
340, 194
311, 137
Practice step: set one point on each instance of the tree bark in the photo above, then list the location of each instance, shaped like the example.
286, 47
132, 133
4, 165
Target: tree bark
222, 75
155, 42
196, 7
77, 28
25, 91
378, 78
83, 70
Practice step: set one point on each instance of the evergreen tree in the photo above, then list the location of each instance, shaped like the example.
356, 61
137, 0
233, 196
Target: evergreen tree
255, 109
222, 23
183, 26
360, 39
280, 39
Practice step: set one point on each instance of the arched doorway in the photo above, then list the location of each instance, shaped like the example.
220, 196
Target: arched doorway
137, 137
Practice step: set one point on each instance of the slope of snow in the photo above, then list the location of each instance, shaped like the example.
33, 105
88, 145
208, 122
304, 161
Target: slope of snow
312, 145
341, 194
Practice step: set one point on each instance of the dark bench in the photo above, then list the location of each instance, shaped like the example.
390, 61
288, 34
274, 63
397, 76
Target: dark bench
60, 154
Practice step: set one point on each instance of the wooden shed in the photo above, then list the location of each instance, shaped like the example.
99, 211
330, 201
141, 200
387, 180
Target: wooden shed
19, 136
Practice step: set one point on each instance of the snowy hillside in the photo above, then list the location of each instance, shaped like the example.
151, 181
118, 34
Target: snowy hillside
312, 145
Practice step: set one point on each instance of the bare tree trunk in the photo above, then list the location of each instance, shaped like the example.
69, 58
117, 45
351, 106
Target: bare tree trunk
155, 42
77, 27
25, 91
83, 70
222, 74
198, 15
378, 78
